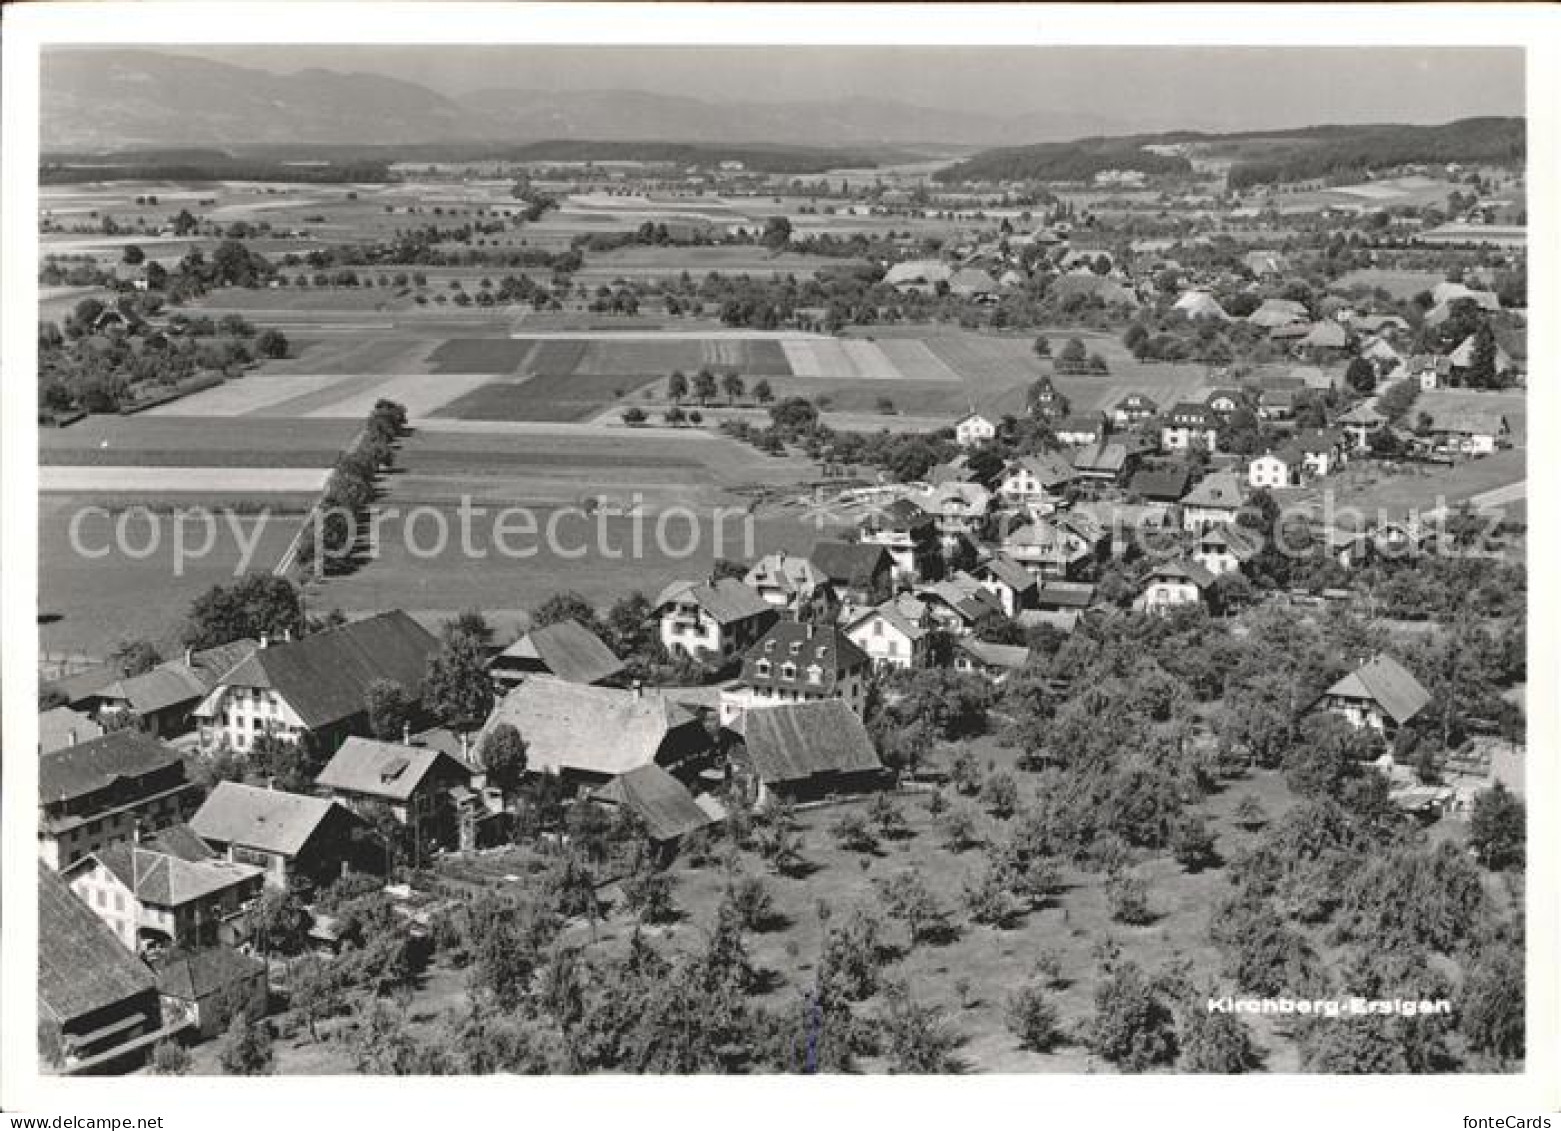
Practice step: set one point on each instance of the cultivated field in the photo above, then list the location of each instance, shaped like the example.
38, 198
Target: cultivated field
152, 441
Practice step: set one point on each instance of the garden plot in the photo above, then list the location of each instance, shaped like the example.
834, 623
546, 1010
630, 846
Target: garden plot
815, 359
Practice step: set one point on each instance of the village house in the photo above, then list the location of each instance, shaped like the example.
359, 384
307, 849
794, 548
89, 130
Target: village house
1065, 596
1197, 303
1381, 695
894, 634
162, 701
294, 839
911, 537
98, 997
1106, 461
956, 508
1190, 423
1321, 449
792, 582
796, 663
206, 989
1277, 404
1226, 548
59, 727
805, 751
1009, 581
1430, 371
150, 897
1081, 428
1171, 585
861, 574
958, 604
1135, 408
587, 735
666, 809
1047, 548
99, 793
1223, 403
1362, 423
1325, 337
318, 686
1159, 485
1045, 400
712, 622
1274, 313
413, 783
993, 662
1473, 432
1277, 469
566, 649
1038, 480
973, 430
1217, 498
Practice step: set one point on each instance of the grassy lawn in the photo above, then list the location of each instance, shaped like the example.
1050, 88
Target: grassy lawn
480, 355
161, 441
547, 396
1418, 487
148, 596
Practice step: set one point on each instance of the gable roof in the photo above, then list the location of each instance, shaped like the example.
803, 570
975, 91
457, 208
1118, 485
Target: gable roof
851, 563
90, 766
658, 799
326, 677
1325, 335
82, 967
1231, 538
804, 645
179, 840
567, 649
86, 684
1065, 595
1183, 571
268, 819
1010, 657
1387, 683
1222, 490
1049, 468
791, 573
1167, 483
60, 727
166, 685
165, 880
792, 742
1470, 422
1136, 402
194, 977
1009, 572
726, 599
1103, 455
1191, 414
387, 770
590, 729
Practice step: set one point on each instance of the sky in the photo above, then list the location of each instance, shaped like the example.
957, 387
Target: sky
1134, 87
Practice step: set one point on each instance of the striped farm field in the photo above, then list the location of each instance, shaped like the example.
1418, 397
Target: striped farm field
984, 362
480, 355
251, 394
869, 361
420, 394
761, 357
640, 356
915, 361
556, 355
362, 355
546, 396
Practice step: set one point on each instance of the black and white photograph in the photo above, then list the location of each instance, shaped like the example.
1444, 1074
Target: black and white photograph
681, 557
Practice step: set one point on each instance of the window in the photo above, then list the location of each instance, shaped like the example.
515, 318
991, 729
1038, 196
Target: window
796, 647
119, 901
815, 674
762, 667
877, 628
788, 670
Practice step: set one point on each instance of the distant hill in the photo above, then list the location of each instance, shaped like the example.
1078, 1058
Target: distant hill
100, 99
1257, 157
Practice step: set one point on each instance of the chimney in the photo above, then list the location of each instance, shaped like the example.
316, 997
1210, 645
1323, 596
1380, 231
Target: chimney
465, 747
270, 781
810, 630
70, 737
287, 636
265, 640
406, 734
189, 657
638, 689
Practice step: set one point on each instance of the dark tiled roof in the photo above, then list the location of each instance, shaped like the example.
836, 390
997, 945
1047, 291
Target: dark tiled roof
585, 728
569, 650
803, 645
326, 677
90, 766
727, 599
1168, 484
794, 741
1386, 682
60, 727
268, 819
180, 840
82, 967
658, 798
1191, 414
385, 770
855, 564
194, 977
168, 881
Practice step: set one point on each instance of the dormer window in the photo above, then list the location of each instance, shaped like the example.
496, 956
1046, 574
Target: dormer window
788, 670
769, 645
796, 646
762, 667
815, 674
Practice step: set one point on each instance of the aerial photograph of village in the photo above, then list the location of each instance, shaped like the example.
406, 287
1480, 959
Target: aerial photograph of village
563, 560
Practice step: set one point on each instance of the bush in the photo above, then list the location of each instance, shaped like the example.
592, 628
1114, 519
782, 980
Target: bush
852, 832
750, 899
1132, 1027
1033, 1019
1128, 898
1192, 843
